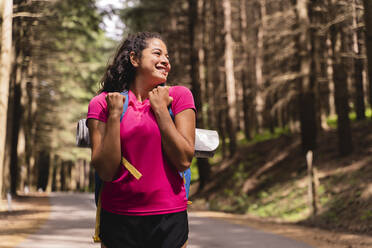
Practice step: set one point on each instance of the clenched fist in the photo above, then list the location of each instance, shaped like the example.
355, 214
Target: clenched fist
115, 102
159, 98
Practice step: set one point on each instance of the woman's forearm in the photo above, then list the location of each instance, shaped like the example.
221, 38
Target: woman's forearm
179, 149
106, 156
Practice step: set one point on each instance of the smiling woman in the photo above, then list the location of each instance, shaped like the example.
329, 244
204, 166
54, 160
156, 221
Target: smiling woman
143, 200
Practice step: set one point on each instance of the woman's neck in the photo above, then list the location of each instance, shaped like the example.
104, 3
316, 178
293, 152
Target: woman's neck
140, 90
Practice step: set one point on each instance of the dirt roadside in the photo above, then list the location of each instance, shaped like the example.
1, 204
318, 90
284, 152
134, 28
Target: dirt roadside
28, 213
31, 211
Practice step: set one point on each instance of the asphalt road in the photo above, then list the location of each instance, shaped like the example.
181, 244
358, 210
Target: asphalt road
210, 232
71, 225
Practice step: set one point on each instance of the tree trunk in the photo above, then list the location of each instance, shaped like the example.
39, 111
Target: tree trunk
307, 83
91, 178
358, 69
44, 167
230, 78
311, 174
331, 99
341, 90
194, 59
245, 72
368, 39
18, 86
6, 46
260, 102
80, 175
64, 183
29, 131
17, 112
200, 36
360, 108
217, 87
316, 60
21, 144
202, 163
50, 173
86, 175
208, 45
323, 85
73, 176
58, 175
222, 131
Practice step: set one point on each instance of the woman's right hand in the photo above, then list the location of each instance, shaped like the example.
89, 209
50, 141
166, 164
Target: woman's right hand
105, 138
115, 102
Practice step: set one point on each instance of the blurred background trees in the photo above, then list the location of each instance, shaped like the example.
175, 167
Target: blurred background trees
254, 67
58, 55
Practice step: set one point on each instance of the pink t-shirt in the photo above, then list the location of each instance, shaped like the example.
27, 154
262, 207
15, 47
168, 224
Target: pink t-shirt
160, 190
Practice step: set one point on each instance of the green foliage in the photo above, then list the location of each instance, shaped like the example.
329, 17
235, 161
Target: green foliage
72, 61
194, 171
367, 215
241, 173
332, 120
153, 15
265, 135
287, 202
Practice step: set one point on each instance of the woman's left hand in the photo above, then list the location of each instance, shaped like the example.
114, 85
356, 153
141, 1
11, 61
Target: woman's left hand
178, 135
159, 98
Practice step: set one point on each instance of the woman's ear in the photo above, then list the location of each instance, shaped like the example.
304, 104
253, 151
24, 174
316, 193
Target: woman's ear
134, 59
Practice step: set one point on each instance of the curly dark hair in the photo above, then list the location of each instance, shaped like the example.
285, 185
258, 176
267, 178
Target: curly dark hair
120, 73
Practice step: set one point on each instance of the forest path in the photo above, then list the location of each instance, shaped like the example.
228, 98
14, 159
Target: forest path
211, 232
71, 224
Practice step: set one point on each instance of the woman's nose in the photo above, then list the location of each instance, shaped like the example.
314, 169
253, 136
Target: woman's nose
165, 61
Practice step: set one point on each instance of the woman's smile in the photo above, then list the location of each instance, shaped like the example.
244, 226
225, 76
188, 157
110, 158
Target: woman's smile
163, 69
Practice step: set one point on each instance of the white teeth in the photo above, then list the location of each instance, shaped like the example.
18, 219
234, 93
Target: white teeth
161, 69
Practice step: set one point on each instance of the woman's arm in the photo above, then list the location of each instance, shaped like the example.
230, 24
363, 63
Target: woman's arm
105, 139
178, 137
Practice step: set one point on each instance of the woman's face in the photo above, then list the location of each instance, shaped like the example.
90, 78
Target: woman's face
154, 66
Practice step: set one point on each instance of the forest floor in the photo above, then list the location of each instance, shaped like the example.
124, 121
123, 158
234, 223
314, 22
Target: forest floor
265, 185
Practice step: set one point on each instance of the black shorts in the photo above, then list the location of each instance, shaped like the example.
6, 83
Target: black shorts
163, 230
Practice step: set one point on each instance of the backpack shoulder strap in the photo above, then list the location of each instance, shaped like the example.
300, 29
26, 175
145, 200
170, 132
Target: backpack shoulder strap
171, 112
186, 175
125, 107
